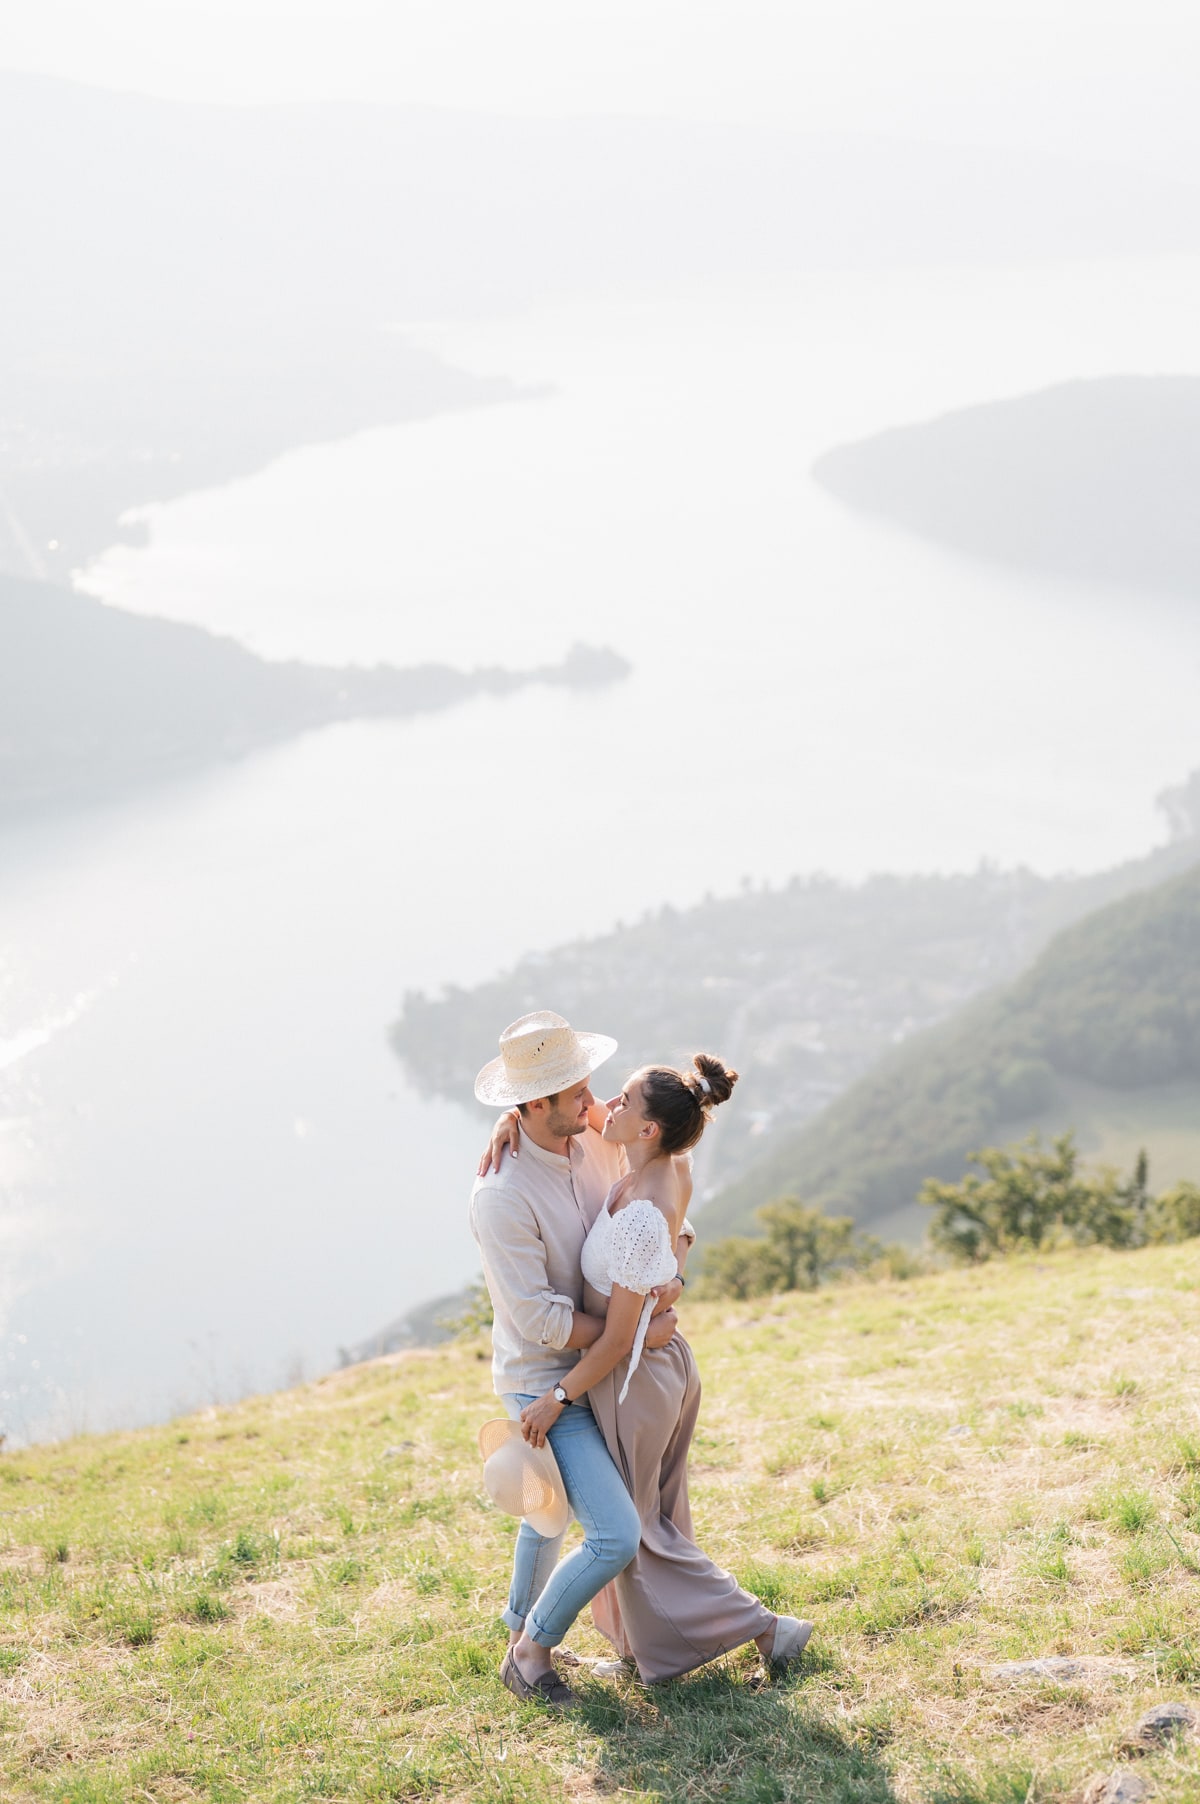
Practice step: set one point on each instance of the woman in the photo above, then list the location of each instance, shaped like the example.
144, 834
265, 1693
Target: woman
671, 1609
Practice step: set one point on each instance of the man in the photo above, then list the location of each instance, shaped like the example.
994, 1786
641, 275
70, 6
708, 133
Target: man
530, 1218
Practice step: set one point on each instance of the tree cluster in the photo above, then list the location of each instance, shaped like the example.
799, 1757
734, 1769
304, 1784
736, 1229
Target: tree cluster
800, 1248
1021, 1199
1032, 1196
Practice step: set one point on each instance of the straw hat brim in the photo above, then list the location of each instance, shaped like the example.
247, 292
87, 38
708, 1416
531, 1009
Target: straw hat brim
530, 1470
496, 1084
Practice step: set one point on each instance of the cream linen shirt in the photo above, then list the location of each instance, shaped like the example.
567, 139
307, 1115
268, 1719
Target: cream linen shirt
530, 1220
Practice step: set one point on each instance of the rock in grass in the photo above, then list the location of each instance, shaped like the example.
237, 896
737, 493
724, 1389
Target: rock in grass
1161, 1723
1058, 1667
1115, 1788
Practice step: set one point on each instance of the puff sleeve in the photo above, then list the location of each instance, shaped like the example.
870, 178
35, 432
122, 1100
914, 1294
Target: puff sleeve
640, 1255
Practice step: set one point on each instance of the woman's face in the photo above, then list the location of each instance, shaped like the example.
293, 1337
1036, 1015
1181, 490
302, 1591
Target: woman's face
626, 1118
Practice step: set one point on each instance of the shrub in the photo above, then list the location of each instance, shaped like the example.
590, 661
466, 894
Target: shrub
1174, 1216
739, 1267
1022, 1200
801, 1248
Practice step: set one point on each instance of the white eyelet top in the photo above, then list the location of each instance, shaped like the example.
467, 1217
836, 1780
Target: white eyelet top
633, 1249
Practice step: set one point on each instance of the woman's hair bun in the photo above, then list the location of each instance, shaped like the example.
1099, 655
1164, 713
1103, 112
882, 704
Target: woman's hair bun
681, 1102
721, 1078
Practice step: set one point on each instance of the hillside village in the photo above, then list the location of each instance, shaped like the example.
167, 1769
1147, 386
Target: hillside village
804, 988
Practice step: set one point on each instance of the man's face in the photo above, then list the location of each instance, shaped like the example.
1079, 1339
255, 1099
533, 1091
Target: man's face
567, 1112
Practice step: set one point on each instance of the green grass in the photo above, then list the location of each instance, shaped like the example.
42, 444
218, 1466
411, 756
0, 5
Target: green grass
271, 1603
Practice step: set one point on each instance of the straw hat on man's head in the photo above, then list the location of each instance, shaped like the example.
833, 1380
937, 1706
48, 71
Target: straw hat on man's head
540, 1055
523, 1480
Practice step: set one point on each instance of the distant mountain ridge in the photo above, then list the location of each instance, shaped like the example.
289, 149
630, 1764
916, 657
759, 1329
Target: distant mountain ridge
94, 701
1094, 480
203, 287
1111, 1006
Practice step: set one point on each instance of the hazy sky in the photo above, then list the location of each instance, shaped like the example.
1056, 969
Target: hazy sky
1098, 78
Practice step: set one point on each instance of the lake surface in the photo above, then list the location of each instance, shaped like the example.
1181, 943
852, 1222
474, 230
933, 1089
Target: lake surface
211, 1170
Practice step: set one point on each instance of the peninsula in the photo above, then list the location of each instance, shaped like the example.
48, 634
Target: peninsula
95, 701
1087, 480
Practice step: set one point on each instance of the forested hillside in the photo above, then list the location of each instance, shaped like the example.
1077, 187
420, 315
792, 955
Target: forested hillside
1113, 1003
1087, 479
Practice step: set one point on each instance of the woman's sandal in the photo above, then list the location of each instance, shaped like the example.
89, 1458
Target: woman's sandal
610, 1668
790, 1640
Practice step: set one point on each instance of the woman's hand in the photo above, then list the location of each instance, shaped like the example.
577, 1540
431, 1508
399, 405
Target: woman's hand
539, 1417
505, 1133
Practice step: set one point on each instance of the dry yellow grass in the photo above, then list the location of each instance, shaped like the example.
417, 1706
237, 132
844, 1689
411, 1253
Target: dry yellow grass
297, 1597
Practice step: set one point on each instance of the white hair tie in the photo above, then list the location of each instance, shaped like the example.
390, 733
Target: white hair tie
704, 1084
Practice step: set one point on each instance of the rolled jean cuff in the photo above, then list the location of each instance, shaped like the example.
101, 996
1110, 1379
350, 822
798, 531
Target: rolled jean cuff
545, 1637
512, 1621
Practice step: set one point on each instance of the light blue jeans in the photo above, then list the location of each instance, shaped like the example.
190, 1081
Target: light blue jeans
547, 1594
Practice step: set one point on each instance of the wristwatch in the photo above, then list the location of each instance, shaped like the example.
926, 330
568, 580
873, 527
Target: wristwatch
559, 1395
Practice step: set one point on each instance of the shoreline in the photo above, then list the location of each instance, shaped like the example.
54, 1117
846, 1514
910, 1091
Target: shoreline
98, 702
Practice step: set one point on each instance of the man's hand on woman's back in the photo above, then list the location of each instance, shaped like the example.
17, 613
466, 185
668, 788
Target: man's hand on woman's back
666, 1296
662, 1329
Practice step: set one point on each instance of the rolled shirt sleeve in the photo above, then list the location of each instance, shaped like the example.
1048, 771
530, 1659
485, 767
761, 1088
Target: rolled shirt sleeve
514, 1261
530, 1219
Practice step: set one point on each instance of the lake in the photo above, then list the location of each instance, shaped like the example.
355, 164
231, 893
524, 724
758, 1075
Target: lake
211, 1169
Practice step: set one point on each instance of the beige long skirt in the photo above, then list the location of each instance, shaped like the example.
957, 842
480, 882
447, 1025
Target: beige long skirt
672, 1608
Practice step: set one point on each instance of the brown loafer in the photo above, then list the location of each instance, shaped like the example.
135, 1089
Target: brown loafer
548, 1690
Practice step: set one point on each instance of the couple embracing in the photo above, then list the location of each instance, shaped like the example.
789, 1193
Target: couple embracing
580, 1213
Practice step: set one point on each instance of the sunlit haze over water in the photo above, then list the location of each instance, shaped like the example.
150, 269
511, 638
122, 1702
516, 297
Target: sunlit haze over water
214, 1173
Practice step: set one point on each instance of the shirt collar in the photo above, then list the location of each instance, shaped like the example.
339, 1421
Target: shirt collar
558, 1161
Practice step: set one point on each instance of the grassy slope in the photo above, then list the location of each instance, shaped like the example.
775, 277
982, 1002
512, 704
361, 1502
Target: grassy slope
1105, 1025
297, 1597
1112, 1125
